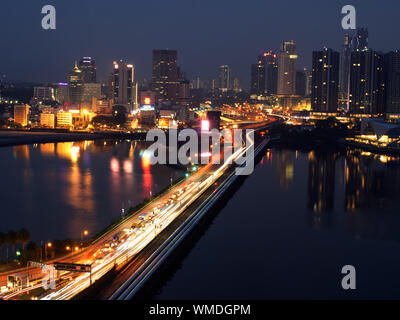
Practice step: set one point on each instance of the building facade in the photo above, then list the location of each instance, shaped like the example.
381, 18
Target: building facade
165, 75
392, 72
325, 81
367, 83
287, 69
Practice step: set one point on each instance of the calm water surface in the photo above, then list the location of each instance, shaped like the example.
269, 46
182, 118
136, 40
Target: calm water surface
57, 190
292, 226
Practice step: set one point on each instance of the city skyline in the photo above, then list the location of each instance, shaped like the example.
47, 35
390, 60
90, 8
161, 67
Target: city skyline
198, 55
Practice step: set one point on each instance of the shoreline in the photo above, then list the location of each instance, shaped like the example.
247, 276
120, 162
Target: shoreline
10, 138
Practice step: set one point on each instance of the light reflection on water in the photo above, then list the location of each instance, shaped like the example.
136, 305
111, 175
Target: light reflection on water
56, 190
293, 224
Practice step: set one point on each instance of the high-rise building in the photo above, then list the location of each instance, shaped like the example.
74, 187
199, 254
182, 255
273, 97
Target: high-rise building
196, 83
41, 94
123, 86
344, 74
75, 84
224, 78
62, 92
21, 114
360, 40
236, 85
325, 81
287, 69
90, 91
165, 75
271, 72
367, 83
392, 72
308, 74
88, 68
184, 92
301, 83
257, 85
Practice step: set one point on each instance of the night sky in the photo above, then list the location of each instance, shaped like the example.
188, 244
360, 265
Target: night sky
206, 33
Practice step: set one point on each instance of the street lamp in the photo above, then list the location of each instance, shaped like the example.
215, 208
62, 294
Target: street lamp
84, 233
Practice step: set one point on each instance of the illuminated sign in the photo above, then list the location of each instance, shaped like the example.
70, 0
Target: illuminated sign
147, 107
205, 125
147, 100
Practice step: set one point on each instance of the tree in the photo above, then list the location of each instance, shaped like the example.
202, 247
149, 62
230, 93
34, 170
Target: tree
25, 236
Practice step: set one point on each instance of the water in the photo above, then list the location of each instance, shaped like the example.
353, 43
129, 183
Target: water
57, 190
286, 233
292, 226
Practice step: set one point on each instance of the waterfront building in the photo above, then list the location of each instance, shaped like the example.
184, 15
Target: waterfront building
21, 114
48, 119
64, 119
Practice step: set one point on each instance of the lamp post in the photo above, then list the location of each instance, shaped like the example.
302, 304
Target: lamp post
84, 233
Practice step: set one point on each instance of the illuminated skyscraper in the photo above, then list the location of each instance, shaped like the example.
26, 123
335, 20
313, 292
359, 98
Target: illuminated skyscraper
344, 75
287, 69
367, 83
224, 77
271, 72
123, 87
75, 84
165, 75
392, 71
360, 40
257, 85
325, 81
88, 68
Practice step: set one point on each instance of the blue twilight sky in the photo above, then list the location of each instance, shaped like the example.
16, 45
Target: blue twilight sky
206, 33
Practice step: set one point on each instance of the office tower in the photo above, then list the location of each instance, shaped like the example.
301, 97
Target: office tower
360, 40
184, 92
287, 69
62, 92
301, 83
90, 91
257, 85
392, 72
236, 85
308, 75
41, 94
344, 75
75, 84
224, 78
165, 75
88, 68
196, 83
271, 72
123, 87
21, 114
367, 83
325, 81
